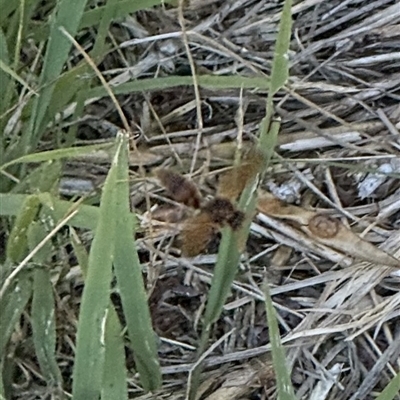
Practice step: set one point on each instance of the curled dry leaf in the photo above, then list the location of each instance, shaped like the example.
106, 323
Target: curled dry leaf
325, 229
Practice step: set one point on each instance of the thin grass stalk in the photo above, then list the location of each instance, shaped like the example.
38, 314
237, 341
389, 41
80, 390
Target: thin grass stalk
282, 373
57, 154
229, 254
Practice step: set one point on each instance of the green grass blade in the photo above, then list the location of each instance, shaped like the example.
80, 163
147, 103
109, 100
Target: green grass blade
70, 84
43, 326
42, 179
86, 217
115, 373
97, 54
92, 17
131, 287
119, 10
43, 310
56, 154
7, 7
102, 30
90, 349
228, 254
280, 65
206, 81
12, 304
17, 244
114, 385
4, 75
391, 390
2, 391
268, 138
279, 73
7, 70
283, 381
67, 14
224, 274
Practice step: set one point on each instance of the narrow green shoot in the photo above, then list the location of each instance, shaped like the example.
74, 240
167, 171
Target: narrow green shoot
282, 373
229, 255
57, 154
131, 287
67, 14
114, 385
17, 244
43, 309
391, 390
90, 349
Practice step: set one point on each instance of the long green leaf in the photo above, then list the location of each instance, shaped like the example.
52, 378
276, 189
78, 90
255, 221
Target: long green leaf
67, 14
206, 81
132, 291
279, 73
43, 309
280, 65
6, 69
283, 381
391, 390
55, 154
43, 326
114, 385
228, 254
90, 349
12, 304
17, 243
86, 217
44, 178
93, 17
4, 75
224, 274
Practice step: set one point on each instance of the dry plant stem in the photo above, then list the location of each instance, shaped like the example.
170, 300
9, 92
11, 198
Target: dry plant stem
29, 257
101, 77
201, 359
195, 85
391, 354
114, 100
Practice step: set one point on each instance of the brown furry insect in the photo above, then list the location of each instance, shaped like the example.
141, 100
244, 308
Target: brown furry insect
216, 213
179, 188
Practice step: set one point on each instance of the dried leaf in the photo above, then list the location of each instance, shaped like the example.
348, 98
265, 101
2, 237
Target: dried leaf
326, 230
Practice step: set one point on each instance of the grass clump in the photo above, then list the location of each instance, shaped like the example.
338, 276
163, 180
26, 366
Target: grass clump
96, 299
